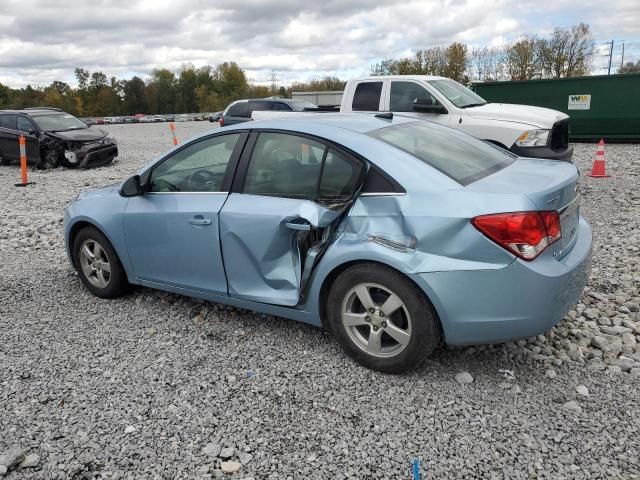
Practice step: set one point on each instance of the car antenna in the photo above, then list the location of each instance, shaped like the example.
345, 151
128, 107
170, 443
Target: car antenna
385, 115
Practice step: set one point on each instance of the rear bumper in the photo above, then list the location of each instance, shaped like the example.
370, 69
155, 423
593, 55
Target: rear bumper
519, 301
544, 152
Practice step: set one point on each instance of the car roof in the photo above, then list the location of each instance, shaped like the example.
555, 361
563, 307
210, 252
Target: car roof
33, 111
275, 99
401, 77
356, 122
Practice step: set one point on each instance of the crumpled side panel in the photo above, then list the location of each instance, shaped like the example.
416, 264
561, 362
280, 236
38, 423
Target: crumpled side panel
423, 234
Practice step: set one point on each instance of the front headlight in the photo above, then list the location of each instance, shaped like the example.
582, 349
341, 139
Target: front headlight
533, 138
110, 139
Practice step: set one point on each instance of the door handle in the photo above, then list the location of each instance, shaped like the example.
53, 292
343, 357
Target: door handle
299, 224
200, 220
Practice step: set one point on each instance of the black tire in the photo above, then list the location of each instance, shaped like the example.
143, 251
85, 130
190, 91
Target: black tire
424, 327
51, 160
4, 160
117, 284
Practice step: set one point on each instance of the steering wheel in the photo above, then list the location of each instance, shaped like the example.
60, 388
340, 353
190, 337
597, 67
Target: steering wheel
201, 180
161, 185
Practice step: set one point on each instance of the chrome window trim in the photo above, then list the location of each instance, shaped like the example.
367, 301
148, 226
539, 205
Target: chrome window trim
383, 194
186, 193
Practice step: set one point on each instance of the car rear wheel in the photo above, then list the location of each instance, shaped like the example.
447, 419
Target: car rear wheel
98, 264
382, 319
4, 160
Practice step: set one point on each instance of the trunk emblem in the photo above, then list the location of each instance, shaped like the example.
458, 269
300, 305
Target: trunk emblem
553, 200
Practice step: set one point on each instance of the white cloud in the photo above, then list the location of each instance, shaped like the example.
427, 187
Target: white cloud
42, 40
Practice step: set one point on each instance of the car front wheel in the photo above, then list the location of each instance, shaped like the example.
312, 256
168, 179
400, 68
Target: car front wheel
382, 319
98, 264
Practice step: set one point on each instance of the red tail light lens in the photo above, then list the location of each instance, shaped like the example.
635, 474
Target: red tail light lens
221, 121
525, 234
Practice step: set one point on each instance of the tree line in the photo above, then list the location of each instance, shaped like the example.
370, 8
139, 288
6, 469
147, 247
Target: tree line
566, 52
189, 90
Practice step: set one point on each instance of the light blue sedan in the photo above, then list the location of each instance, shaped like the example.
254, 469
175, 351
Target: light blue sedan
394, 234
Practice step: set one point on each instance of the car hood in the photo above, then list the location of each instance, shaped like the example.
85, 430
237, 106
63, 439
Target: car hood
535, 116
107, 190
79, 135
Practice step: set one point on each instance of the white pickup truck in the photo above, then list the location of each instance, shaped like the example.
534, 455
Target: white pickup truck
525, 130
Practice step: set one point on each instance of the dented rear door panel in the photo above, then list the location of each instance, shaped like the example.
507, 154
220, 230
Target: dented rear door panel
267, 242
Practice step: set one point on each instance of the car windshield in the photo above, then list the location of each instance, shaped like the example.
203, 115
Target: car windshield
57, 122
458, 94
301, 105
462, 157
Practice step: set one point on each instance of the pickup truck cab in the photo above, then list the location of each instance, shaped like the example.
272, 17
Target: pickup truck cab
525, 130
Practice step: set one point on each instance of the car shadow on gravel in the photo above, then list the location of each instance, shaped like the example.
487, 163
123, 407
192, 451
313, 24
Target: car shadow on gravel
218, 323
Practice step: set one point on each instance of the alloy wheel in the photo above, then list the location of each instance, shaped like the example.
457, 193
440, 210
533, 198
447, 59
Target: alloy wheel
95, 263
376, 320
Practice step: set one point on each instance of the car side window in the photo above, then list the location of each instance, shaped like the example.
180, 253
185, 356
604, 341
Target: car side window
8, 121
404, 95
199, 167
367, 96
282, 107
291, 166
341, 176
285, 166
258, 107
240, 109
23, 124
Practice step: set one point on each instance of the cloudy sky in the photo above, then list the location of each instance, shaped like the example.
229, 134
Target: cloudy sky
45, 40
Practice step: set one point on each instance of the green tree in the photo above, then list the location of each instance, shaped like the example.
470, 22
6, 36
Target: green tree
457, 64
6, 95
186, 85
568, 52
135, 100
522, 59
163, 83
230, 82
628, 67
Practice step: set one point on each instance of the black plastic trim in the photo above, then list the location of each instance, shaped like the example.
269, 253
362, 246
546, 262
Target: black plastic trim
543, 152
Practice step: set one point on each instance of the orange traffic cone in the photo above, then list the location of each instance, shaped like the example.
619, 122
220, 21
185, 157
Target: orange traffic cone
598, 169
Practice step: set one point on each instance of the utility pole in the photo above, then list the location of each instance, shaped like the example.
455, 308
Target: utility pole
610, 57
274, 81
622, 61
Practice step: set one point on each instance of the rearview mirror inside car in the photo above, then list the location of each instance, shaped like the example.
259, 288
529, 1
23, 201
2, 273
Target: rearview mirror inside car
131, 187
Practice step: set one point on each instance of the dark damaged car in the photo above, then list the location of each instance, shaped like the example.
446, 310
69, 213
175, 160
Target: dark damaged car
54, 138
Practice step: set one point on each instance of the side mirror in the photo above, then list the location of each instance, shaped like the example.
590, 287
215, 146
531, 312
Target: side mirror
32, 131
131, 187
425, 106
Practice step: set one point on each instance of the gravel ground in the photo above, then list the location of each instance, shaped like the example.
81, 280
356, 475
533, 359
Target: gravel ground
156, 385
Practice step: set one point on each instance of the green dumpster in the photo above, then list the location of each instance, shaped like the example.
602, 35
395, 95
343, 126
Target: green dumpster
603, 106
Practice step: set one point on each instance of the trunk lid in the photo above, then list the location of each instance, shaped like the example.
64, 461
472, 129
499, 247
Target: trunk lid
550, 185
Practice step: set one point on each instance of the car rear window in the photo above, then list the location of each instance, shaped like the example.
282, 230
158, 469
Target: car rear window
240, 109
460, 156
367, 97
259, 106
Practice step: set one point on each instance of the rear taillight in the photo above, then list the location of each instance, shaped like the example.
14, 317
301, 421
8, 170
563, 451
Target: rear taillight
221, 121
526, 234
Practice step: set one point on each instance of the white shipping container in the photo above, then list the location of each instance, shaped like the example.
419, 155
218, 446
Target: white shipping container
319, 98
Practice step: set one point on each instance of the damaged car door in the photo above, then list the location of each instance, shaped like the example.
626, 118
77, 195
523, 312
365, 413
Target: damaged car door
289, 193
